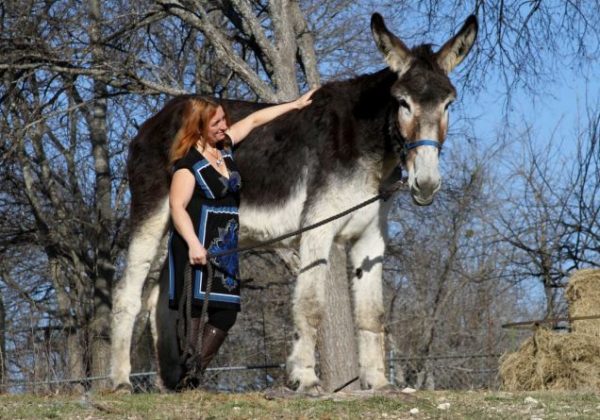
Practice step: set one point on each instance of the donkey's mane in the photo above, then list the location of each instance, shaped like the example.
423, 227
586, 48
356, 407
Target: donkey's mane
424, 54
352, 91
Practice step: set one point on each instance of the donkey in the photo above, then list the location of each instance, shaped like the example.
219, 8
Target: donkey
303, 167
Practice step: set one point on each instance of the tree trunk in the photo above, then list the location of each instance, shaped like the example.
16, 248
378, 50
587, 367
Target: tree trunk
75, 357
100, 324
72, 322
337, 339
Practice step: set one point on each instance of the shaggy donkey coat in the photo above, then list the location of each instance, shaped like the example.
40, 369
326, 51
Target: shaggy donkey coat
301, 168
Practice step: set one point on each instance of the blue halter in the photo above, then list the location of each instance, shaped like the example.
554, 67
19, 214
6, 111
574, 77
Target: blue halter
418, 143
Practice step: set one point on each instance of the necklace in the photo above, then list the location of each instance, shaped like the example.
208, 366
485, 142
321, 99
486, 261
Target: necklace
218, 157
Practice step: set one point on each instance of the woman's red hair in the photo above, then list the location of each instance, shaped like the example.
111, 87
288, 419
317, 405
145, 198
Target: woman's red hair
194, 126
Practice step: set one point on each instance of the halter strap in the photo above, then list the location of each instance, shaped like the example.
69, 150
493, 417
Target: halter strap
418, 143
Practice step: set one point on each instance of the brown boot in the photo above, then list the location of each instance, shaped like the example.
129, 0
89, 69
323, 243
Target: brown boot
211, 342
195, 363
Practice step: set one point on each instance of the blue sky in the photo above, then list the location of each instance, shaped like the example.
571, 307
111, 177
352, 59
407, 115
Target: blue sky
554, 111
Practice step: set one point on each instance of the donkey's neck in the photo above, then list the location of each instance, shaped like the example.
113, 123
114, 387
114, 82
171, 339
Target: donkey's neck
368, 98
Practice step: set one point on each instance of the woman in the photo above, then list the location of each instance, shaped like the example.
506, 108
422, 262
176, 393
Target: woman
204, 199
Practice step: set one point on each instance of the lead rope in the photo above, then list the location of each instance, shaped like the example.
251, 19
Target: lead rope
384, 194
191, 354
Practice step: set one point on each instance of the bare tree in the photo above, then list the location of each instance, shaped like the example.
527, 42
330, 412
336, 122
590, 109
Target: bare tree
96, 118
273, 56
66, 189
530, 220
551, 215
580, 221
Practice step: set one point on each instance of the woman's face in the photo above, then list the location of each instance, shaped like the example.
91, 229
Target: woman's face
217, 126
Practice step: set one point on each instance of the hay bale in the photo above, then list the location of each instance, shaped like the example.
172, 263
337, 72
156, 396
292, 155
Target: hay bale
583, 296
553, 361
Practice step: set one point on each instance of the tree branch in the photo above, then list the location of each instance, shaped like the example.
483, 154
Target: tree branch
221, 44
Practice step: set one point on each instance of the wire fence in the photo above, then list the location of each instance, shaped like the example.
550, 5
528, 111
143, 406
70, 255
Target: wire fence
38, 360
476, 371
252, 359
454, 372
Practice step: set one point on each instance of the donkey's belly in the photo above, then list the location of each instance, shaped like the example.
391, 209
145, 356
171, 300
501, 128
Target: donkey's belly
263, 222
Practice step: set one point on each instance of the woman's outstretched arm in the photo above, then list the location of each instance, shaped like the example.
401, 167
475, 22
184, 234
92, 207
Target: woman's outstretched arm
238, 131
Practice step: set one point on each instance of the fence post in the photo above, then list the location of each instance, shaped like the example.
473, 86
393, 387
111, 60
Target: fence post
264, 332
392, 368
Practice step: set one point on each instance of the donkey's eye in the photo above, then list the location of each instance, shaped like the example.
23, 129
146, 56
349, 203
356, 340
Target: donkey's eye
448, 105
404, 104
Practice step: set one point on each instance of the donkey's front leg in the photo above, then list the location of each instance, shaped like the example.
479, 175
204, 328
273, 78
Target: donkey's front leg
367, 259
127, 299
308, 306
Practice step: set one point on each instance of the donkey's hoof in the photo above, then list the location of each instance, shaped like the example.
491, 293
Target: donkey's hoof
302, 379
310, 388
124, 388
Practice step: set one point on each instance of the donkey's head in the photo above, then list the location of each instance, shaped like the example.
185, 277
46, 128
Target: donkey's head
423, 93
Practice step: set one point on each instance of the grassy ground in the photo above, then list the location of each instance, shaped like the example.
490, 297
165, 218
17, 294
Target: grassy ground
199, 404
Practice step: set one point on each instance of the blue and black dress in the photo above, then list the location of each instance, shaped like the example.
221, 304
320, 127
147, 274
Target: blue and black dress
213, 209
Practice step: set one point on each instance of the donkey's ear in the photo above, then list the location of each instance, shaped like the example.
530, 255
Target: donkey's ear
457, 48
396, 54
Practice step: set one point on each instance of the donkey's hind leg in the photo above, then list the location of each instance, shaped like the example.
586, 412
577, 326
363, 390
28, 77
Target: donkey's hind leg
145, 242
308, 306
367, 259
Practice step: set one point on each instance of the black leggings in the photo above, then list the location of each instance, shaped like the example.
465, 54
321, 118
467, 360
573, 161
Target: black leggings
222, 319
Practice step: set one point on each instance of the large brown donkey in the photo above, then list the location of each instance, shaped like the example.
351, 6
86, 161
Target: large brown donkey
299, 169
